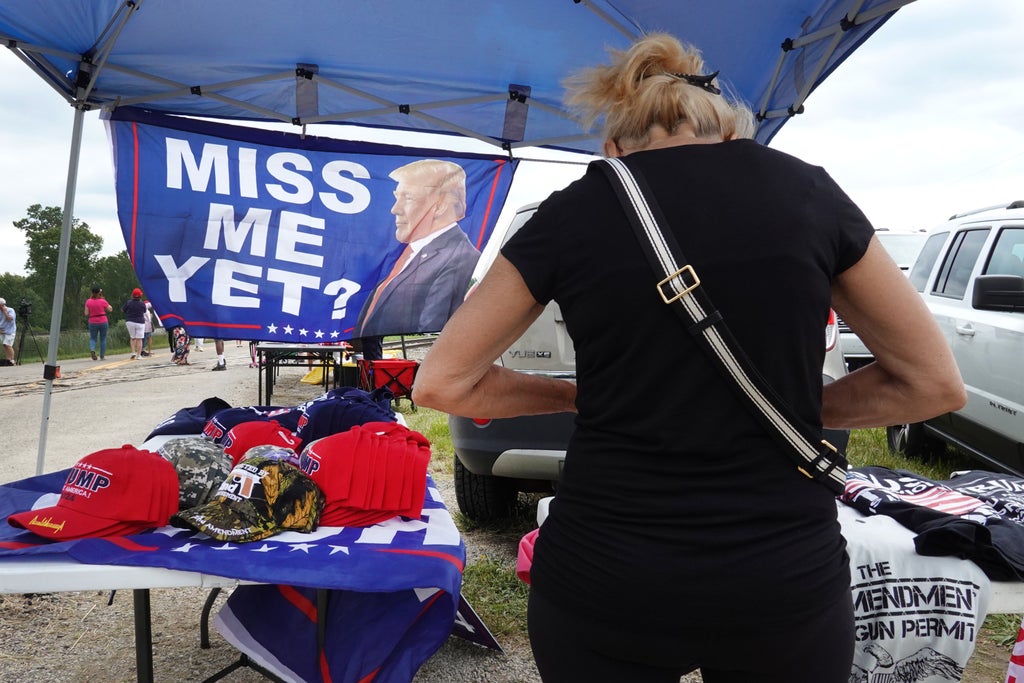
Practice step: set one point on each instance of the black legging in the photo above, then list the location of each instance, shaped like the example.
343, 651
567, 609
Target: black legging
569, 649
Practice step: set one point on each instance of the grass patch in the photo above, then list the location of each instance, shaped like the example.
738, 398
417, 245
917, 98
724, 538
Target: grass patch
498, 596
869, 447
75, 343
433, 425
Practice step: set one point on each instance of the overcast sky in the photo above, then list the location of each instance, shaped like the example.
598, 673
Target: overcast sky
925, 120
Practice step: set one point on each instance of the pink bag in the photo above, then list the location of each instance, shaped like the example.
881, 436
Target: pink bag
524, 558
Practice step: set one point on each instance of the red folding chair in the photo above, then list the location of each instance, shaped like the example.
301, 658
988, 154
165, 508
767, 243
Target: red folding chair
396, 374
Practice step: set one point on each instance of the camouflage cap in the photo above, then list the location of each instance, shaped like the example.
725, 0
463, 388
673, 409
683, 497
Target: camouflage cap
202, 466
261, 497
272, 451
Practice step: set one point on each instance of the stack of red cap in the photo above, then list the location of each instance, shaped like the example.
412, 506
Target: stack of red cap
113, 492
370, 473
246, 435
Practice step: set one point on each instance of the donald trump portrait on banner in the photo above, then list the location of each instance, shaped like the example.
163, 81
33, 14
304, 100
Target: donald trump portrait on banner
431, 276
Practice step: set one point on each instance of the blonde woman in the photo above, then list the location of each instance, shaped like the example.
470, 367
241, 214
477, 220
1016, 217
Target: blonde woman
682, 537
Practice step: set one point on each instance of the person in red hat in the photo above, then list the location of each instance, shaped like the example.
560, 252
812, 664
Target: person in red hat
135, 318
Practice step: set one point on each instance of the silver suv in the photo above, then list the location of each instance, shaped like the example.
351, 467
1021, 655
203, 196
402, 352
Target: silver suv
971, 275
496, 459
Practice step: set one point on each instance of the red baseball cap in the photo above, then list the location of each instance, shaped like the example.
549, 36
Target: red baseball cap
368, 474
113, 492
246, 435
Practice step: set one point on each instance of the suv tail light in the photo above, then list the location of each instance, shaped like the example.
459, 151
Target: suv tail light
831, 330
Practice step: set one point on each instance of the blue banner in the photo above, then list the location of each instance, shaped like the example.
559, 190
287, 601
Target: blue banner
244, 233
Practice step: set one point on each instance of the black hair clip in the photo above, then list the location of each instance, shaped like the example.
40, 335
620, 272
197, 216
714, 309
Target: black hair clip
702, 82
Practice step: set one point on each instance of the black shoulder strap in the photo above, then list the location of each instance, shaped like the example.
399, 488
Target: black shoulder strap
679, 287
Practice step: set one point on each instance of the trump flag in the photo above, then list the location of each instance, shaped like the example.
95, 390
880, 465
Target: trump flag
246, 233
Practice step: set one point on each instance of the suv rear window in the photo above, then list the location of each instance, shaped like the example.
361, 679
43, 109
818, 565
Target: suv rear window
956, 269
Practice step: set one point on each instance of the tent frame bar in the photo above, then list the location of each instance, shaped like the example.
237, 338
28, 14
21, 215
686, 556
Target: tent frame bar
851, 19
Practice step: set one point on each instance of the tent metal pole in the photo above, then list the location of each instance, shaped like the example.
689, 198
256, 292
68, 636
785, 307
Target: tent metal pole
62, 269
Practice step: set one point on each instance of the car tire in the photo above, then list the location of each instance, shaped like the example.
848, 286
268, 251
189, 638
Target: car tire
912, 441
481, 497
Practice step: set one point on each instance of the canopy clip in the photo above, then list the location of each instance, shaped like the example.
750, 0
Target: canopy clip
84, 73
307, 94
404, 109
516, 112
196, 90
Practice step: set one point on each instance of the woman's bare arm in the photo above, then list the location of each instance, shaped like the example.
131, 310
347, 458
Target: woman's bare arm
459, 376
914, 376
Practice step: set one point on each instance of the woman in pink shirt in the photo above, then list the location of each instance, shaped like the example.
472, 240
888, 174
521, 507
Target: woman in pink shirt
96, 309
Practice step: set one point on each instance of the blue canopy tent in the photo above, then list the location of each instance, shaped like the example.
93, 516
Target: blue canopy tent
490, 71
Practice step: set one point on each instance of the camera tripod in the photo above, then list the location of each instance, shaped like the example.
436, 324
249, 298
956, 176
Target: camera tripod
21, 343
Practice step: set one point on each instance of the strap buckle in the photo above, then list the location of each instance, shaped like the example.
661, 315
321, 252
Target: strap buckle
825, 455
678, 274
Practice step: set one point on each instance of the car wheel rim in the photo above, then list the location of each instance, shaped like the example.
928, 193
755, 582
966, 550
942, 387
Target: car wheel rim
900, 438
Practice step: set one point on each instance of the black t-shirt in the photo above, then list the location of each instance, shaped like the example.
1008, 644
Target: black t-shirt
673, 498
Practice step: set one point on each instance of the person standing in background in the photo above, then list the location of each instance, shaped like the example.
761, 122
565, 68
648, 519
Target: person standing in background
147, 334
180, 342
222, 364
96, 309
135, 319
8, 328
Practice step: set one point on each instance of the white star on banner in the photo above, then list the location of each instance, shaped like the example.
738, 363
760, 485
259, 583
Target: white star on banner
272, 328
170, 531
227, 546
264, 548
287, 329
304, 547
334, 334
303, 331
184, 548
319, 334
339, 549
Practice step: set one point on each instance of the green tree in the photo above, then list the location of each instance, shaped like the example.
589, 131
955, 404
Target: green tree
42, 229
116, 276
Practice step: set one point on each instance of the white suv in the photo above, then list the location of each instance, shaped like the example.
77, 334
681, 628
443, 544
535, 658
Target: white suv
496, 459
971, 275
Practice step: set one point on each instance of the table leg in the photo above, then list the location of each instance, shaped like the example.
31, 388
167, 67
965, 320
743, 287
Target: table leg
143, 636
268, 366
259, 379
